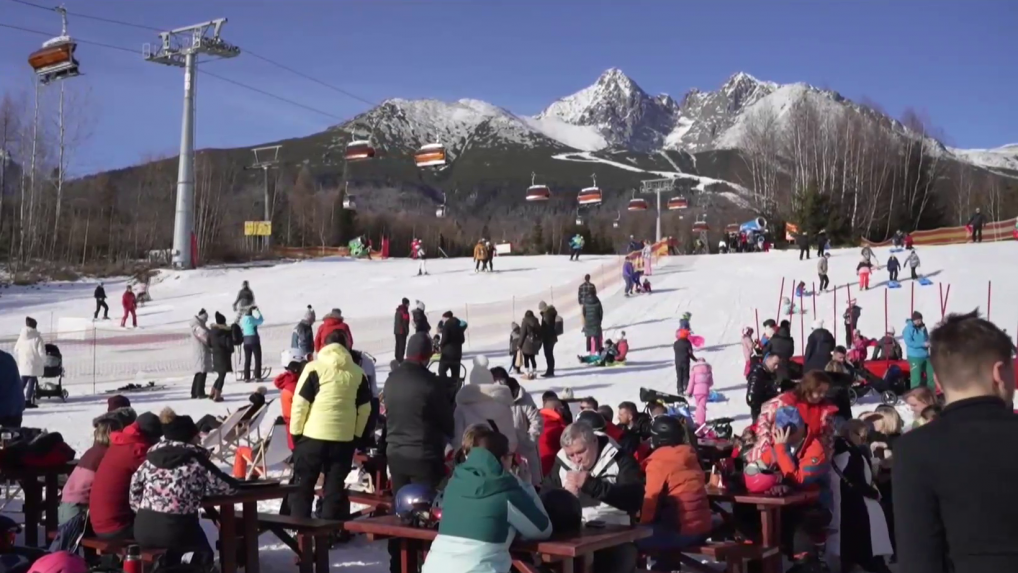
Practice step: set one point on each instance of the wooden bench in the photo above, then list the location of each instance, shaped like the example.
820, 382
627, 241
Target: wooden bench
94, 546
378, 503
731, 553
313, 538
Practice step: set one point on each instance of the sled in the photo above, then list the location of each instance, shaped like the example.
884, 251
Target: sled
897, 250
925, 281
893, 284
716, 396
696, 340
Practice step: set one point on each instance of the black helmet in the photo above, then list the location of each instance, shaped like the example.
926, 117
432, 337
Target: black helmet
666, 431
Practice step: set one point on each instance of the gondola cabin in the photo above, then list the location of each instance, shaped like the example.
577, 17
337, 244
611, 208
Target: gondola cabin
431, 155
538, 193
676, 203
700, 227
579, 221
55, 60
349, 203
590, 196
637, 204
359, 150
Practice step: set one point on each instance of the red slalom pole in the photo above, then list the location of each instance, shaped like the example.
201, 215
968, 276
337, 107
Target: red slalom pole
756, 312
802, 329
885, 311
781, 293
989, 297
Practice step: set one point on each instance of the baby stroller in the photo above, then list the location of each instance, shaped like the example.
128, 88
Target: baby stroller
890, 388
53, 368
648, 397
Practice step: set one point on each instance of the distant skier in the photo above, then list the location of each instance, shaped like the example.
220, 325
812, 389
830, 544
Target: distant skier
893, 266
421, 256
576, 246
245, 300
100, 302
822, 271
490, 248
480, 257
130, 304
141, 292
976, 224
822, 244
913, 263
803, 240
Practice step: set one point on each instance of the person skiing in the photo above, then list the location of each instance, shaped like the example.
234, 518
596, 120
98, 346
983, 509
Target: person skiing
422, 267
100, 302
245, 299
480, 257
130, 304
683, 350
976, 223
893, 266
913, 263
30, 353
576, 246
864, 269
822, 271
629, 275
303, 338
803, 240
401, 328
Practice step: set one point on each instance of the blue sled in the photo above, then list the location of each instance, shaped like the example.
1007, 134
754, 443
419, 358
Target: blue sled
897, 250
925, 281
893, 284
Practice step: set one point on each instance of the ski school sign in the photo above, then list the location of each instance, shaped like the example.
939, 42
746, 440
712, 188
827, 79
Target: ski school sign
1000, 231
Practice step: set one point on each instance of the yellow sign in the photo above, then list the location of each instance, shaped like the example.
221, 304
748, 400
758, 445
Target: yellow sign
257, 228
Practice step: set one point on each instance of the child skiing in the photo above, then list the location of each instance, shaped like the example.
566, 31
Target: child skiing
892, 268
864, 269
684, 321
800, 289
701, 380
913, 263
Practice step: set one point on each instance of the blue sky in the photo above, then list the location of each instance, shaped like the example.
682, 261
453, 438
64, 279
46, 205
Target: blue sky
954, 61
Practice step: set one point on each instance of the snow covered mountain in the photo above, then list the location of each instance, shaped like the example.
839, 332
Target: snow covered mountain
1004, 157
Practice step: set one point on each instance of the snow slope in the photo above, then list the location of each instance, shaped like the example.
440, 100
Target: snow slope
1004, 157
721, 292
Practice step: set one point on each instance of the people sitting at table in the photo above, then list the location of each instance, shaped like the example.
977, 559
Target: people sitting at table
109, 508
809, 397
75, 495
606, 481
484, 508
761, 384
675, 499
166, 492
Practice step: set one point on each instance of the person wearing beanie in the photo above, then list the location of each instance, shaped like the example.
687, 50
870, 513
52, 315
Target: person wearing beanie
167, 491
819, 347
30, 353
418, 423
683, 350
221, 346
887, 347
333, 321
109, 506
100, 302
130, 303
249, 324
550, 327
480, 374
303, 338
401, 328
420, 319
917, 351
201, 353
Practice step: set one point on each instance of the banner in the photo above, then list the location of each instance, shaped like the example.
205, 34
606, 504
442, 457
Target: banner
257, 228
999, 231
790, 232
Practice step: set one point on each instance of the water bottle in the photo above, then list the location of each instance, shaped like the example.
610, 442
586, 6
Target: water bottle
132, 562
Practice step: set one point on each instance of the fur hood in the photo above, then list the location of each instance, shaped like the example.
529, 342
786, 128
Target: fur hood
124, 416
477, 393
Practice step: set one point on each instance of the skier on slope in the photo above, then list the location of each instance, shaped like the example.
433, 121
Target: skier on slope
893, 266
421, 256
130, 304
100, 302
822, 271
245, 300
976, 223
913, 263
490, 248
576, 246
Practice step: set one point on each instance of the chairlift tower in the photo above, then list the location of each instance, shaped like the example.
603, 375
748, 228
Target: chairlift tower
265, 159
656, 187
180, 48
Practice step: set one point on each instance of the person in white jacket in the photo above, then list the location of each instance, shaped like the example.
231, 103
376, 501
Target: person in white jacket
30, 352
528, 421
481, 401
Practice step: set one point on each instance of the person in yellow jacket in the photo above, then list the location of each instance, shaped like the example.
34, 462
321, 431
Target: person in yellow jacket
480, 256
328, 417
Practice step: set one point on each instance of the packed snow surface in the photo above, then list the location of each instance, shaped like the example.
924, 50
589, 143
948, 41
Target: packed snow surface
723, 293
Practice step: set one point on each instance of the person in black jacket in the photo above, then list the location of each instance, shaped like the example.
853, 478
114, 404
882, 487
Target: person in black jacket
418, 423
761, 385
851, 317
976, 222
221, 343
803, 240
530, 343
452, 346
953, 478
819, 347
549, 336
821, 240
683, 355
782, 345
401, 328
586, 290
420, 319
100, 302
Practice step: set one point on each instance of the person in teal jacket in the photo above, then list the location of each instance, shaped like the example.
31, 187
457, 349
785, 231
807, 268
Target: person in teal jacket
917, 350
484, 507
249, 324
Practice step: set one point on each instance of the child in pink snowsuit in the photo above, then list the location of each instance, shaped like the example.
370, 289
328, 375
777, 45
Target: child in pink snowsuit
701, 379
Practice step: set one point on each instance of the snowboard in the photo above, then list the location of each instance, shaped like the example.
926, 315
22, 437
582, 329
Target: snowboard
893, 284
925, 281
696, 340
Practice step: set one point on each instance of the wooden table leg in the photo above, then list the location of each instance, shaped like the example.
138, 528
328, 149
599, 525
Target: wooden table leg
228, 538
770, 521
52, 503
250, 524
305, 555
408, 556
33, 503
322, 543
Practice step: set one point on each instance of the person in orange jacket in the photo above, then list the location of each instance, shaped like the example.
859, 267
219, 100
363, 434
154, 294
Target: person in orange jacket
130, 304
550, 441
332, 321
675, 501
286, 382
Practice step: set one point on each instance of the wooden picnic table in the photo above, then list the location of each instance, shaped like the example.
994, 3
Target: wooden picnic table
41, 488
223, 505
770, 507
573, 553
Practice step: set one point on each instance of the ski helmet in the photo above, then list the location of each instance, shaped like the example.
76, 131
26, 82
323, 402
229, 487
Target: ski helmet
666, 431
759, 479
60, 562
291, 355
413, 504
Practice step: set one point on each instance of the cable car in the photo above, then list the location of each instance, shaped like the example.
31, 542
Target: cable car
537, 192
359, 150
637, 204
350, 203
55, 60
700, 226
590, 195
430, 155
677, 203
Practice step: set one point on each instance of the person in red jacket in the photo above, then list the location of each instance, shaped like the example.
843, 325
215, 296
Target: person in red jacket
294, 364
109, 505
130, 304
550, 441
333, 321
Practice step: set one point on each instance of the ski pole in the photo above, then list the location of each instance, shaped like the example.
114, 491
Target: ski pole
781, 292
885, 311
912, 303
989, 297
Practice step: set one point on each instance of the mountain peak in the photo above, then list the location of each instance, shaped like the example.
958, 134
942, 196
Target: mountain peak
615, 76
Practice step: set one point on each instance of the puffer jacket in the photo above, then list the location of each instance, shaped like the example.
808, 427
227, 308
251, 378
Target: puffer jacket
614, 488
592, 316
530, 335
175, 478
201, 352
30, 352
303, 338
529, 424
549, 316
819, 420
761, 386
221, 345
701, 379
489, 404
550, 441
329, 323
108, 504
480, 252
287, 385
676, 492
915, 339
332, 400
913, 260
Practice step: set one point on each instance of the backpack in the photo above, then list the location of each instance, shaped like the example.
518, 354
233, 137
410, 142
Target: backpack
560, 327
236, 334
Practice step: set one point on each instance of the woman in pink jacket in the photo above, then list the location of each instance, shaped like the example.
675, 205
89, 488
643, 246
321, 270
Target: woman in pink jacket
701, 379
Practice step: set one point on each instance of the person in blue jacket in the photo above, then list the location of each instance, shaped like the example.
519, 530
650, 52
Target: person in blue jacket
893, 266
917, 351
12, 397
249, 324
629, 275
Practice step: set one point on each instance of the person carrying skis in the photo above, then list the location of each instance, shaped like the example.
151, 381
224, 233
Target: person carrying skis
913, 263
130, 304
893, 266
683, 349
822, 271
976, 223
100, 302
480, 257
